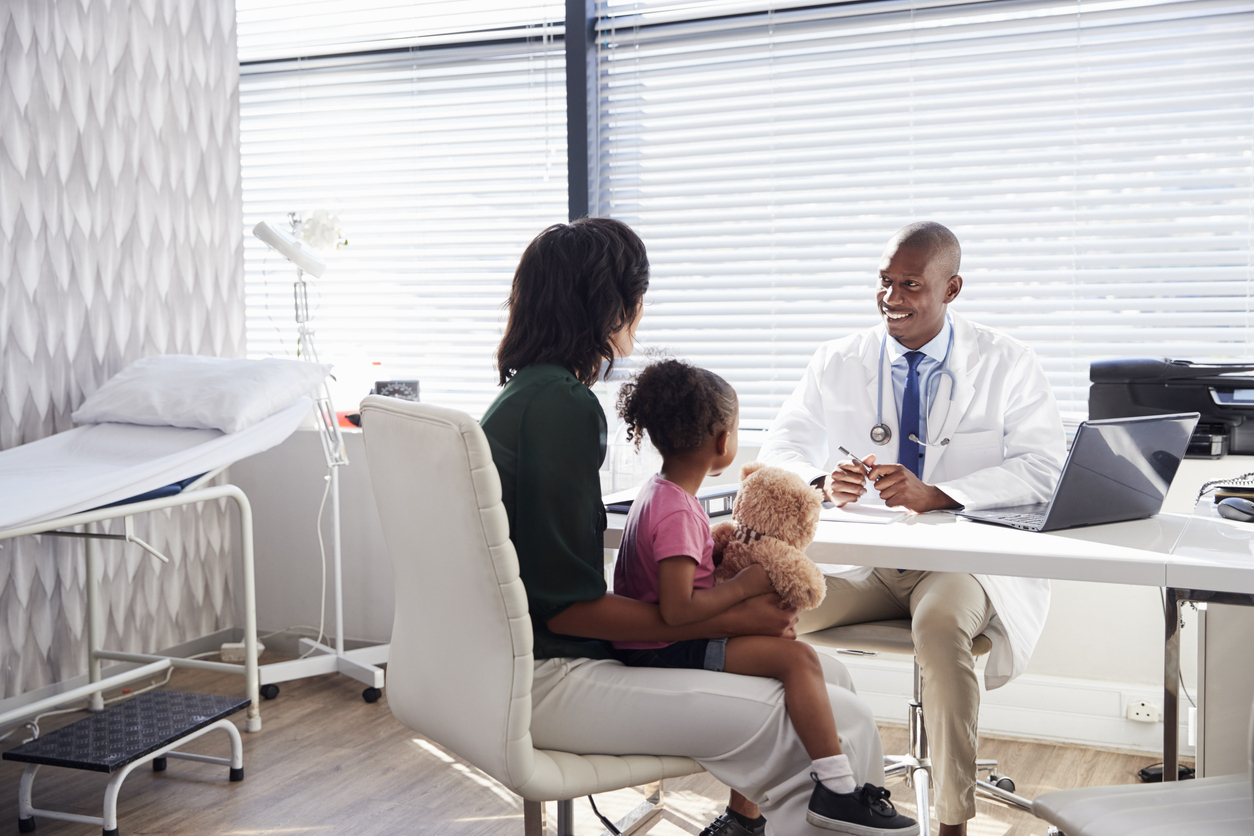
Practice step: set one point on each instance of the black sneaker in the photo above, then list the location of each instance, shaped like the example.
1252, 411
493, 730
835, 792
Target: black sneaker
728, 825
864, 812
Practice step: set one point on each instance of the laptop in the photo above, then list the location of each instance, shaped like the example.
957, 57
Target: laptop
1118, 469
716, 500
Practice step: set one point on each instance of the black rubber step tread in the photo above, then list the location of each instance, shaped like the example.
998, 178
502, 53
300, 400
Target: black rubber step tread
108, 741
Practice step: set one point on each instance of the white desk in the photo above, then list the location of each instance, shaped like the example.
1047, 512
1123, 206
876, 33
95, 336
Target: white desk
1195, 558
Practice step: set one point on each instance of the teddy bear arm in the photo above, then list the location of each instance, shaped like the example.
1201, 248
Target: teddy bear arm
795, 577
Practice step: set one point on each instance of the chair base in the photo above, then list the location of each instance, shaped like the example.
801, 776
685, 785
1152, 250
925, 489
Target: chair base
908, 765
534, 815
918, 760
991, 789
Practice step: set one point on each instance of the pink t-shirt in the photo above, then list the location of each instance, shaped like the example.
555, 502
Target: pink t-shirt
665, 521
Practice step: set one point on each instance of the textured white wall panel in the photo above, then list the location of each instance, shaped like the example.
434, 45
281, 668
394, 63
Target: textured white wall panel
120, 237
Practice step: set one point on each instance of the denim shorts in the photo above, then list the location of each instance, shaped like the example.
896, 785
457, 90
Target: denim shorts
698, 654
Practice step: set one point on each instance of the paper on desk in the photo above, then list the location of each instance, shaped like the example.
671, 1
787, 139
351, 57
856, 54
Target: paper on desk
853, 513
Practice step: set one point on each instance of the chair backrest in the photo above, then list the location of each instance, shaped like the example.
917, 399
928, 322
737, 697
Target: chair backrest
460, 666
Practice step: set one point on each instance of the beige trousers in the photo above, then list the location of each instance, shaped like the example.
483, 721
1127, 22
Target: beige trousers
737, 727
947, 611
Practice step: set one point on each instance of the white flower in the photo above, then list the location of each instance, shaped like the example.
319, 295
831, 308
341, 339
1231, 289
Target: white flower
322, 231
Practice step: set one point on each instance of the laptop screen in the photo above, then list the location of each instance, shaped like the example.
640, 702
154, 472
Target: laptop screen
1120, 469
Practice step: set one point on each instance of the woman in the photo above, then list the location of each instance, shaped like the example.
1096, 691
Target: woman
576, 301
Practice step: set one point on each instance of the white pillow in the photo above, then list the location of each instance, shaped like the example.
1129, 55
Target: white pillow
182, 390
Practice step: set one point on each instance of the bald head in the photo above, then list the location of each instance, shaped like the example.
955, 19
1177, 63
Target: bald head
918, 279
936, 240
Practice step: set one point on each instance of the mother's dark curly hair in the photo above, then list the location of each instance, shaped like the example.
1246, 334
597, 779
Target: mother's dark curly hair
677, 404
575, 286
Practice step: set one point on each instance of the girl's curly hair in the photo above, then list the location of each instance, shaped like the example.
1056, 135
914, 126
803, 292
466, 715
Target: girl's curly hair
678, 404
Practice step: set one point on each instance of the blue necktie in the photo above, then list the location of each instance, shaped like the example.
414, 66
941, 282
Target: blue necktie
910, 452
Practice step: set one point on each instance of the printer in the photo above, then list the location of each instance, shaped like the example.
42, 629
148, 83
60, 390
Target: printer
1222, 392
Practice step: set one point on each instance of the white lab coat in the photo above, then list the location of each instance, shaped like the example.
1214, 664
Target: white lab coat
1006, 447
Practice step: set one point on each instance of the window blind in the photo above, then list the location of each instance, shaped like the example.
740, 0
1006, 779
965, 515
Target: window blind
1096, 160
442, 157
278, 29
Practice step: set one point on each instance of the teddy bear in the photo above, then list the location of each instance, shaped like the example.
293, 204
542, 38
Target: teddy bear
775, 517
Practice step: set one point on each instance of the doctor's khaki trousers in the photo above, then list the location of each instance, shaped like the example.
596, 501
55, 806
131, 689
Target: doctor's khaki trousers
734, 726
947, 612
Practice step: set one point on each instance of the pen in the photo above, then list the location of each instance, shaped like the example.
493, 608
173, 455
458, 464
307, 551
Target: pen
865, 466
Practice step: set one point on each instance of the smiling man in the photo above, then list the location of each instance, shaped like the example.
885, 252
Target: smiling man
947, 414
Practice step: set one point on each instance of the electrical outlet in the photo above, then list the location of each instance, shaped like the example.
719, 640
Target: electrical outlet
1144, 712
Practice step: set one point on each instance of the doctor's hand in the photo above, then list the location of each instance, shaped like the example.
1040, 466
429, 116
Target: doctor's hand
899, 488
847, 482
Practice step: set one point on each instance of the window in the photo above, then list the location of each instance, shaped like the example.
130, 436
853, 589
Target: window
437, 133
1096, 159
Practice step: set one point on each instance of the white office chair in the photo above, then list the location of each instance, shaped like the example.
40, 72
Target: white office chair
460, 666
894, 636
1199, 807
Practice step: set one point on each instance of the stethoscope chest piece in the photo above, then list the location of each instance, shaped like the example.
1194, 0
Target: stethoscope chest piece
881, 434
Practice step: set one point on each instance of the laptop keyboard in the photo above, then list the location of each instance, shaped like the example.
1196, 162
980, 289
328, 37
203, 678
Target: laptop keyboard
1036, 520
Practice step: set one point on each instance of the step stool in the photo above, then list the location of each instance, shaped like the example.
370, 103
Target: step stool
146, 728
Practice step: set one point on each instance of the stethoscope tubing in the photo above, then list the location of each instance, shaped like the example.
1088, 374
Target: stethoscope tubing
880, 433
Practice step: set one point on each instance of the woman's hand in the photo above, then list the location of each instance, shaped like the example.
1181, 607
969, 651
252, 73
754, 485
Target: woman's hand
754, 580
625, 619
761, 615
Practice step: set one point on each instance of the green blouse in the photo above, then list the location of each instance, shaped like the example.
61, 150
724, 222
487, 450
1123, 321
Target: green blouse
547, 434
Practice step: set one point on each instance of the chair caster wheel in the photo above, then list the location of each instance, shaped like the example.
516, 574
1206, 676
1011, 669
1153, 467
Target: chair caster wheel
1002, 782
269, 692
26, 825
371, 694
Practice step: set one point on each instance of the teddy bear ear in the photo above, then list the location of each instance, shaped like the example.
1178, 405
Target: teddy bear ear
750, 468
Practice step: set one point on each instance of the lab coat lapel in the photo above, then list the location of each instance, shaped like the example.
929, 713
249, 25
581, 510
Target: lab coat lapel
871, 359
963, 365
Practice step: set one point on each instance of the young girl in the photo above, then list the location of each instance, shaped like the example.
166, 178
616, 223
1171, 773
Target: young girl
666, 558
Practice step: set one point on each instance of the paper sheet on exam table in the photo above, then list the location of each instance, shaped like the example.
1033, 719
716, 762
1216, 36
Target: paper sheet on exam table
96, 464
855, 513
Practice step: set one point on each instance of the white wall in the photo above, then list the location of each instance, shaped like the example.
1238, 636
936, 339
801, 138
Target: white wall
285, 486
120, 237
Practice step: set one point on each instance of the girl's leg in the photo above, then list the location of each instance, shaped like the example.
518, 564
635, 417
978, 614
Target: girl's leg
836, 802
796, 665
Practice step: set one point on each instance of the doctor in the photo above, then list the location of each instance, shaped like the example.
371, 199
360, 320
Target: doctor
948, 413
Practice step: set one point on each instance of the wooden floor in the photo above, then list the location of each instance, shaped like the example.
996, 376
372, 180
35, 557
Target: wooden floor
328, 762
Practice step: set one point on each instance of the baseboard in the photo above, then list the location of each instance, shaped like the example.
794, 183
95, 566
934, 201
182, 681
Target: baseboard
1079, 711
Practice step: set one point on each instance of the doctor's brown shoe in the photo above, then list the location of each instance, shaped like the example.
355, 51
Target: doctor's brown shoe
864, 812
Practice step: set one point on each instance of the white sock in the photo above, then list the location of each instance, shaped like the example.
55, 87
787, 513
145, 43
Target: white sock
835, 773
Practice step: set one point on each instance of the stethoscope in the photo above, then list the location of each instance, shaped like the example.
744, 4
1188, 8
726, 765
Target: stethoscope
881, 433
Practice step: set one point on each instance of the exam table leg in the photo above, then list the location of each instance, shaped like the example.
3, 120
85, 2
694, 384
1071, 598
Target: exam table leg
94, 621
252, 687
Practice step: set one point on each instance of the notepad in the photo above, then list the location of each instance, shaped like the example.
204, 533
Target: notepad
854, 513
